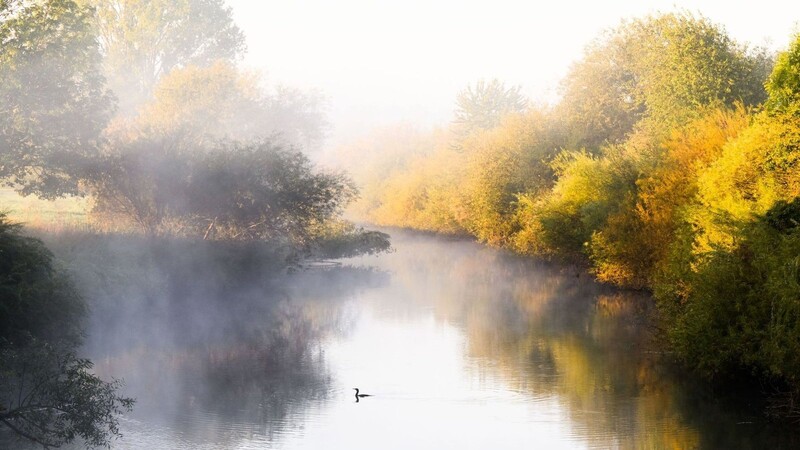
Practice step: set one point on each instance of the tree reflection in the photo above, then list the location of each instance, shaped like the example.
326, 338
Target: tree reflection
551, 332
215, 349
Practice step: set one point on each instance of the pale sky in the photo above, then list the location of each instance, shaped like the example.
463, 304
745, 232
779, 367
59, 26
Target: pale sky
382, 62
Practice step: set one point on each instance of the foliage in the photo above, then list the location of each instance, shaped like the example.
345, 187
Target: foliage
37, 300
47, 394
483, 106
588, 190
340, 239
54, 105
50, 397
500, 164
143, 40
743, 303
662, 69
783, 85
230, 191
242, 109
633, 244
730, 281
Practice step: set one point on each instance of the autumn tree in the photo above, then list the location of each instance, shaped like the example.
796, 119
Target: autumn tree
501, 164
203, 104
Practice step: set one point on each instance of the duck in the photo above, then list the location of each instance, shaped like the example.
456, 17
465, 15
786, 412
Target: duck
358, 396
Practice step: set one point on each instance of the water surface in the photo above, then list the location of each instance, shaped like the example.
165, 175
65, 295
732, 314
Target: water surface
462, 347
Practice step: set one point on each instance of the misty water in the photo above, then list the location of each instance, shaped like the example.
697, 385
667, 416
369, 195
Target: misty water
460, 345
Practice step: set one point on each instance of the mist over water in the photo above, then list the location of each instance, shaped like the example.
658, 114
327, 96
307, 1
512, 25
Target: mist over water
461, 346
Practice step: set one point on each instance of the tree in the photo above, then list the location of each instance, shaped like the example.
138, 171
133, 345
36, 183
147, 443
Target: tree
501, 164
483, 106
783, 84
656, 73
50, 397
239, 191
53, 105
47, 394
204, 104
143, 40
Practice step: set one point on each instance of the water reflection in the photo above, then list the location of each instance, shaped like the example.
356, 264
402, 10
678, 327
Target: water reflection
215, 363
461, 346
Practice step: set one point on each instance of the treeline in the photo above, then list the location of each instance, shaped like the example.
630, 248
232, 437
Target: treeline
671, 163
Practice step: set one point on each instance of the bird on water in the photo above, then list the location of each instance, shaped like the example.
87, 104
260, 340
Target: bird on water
358, 396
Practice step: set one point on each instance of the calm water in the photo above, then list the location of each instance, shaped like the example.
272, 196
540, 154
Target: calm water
461, 346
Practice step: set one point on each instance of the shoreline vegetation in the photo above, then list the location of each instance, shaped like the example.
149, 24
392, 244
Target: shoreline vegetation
671, 164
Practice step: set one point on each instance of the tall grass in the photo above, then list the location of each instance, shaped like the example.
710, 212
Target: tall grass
70, 213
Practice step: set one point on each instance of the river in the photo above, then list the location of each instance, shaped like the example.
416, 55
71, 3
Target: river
461, 346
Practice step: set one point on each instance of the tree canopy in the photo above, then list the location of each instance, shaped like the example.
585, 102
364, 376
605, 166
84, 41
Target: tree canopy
143, 40
53, 104
664, 69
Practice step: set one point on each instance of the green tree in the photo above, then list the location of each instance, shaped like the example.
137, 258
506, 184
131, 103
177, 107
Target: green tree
143, 40
663, 69
47, 394
783, 85
256, 190
53, 105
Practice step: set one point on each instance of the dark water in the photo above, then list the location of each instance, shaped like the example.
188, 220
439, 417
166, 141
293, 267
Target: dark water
461, 346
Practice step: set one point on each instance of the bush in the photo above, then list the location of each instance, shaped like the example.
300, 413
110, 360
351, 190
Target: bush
47, 394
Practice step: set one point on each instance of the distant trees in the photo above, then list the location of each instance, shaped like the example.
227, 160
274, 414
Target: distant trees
47, 394
197, 129
483, 106
53, 103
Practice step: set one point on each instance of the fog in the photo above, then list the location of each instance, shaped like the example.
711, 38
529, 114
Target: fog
384, 62
457, 208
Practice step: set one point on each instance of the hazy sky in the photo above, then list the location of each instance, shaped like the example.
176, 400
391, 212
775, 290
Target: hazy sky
380, 62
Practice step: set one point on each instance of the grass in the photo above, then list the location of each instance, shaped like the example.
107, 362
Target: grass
68, 213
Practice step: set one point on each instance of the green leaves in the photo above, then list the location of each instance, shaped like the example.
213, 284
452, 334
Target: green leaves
143, 40
47, 394
657, 73
53, 105
783, 84
51, 397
